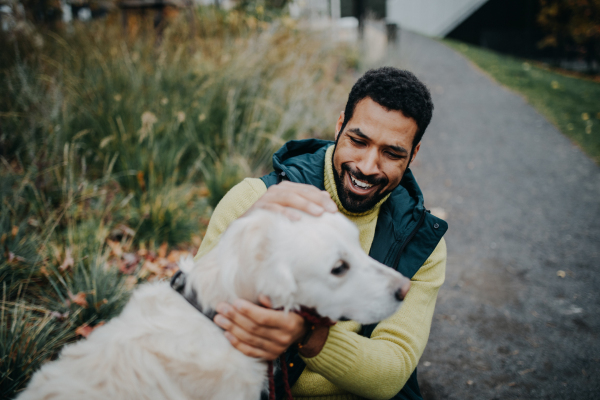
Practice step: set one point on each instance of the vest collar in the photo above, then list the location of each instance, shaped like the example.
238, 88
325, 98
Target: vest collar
303, 161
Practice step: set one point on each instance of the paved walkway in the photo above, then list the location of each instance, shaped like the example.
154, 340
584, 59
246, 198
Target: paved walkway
523, 203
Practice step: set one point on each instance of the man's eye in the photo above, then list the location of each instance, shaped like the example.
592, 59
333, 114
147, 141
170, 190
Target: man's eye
394, 156
356, 141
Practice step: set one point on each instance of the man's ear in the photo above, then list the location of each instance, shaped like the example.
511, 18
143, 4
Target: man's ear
415, 151
338, 125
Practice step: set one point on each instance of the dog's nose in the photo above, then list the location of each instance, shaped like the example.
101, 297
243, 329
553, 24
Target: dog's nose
401, 293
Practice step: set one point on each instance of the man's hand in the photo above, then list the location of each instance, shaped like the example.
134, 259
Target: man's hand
287, 197
257, 331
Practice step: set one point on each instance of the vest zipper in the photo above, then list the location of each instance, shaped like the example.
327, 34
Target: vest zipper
409, 238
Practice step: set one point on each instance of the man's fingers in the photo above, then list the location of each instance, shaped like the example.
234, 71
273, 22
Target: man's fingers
312, 194
303, 197
265, 301
257, 315
269, 346
249, 350
297, 201
253, 335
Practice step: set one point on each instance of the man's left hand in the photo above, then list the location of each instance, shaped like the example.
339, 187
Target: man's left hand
258, 331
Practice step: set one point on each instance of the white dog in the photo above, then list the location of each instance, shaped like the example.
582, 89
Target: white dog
161, 347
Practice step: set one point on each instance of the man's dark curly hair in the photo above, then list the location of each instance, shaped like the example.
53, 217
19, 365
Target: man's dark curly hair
393, 89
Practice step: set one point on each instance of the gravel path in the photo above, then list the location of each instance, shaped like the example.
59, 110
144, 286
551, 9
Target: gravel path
523, 203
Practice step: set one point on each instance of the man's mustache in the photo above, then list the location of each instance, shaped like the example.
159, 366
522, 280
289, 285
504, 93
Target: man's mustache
371, 180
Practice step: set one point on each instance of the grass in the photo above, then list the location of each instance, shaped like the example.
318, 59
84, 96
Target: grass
570, 102
115, 146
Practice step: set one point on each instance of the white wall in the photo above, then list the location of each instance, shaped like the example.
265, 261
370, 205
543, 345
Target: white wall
430, 17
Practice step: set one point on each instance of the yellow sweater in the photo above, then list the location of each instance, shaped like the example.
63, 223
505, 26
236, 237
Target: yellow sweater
351, 366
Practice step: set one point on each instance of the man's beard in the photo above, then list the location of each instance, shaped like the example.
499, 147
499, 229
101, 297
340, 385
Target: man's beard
351, 201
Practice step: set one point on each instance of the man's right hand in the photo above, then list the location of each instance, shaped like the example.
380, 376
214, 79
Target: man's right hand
287, 197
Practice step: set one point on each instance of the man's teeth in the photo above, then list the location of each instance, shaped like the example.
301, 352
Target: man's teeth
362, 185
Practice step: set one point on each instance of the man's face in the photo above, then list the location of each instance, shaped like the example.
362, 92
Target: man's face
371, 154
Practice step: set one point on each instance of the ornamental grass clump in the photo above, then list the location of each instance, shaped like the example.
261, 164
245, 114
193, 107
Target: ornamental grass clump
116, 144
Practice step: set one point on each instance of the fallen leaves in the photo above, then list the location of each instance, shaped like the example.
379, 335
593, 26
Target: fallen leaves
68, 261
130, 282
526, 371
85, 330
128, 263
162, 250
115, 247
78, 299
59, 316
146, 264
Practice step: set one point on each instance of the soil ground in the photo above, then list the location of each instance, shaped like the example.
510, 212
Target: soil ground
519, 314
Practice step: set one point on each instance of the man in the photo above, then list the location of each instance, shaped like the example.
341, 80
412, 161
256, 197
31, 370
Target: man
365, 176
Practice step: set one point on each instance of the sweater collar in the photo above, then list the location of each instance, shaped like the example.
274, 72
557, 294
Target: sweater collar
332, 189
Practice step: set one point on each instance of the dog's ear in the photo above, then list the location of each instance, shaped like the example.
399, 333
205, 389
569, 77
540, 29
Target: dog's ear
261, 262
246, 251
277, 282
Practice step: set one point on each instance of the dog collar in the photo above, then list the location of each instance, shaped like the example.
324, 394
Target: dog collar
178, 282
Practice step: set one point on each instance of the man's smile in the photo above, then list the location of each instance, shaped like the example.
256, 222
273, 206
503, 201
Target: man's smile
359, 187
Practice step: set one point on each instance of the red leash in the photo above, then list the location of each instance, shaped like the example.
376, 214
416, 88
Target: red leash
311, 316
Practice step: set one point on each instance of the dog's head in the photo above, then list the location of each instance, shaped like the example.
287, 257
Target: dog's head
313, 262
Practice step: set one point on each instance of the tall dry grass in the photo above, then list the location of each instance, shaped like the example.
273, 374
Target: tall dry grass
115, 146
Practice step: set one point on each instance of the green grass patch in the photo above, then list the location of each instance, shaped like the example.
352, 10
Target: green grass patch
570, 102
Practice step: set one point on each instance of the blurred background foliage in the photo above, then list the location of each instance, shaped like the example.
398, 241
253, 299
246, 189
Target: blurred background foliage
572, 24
115, 144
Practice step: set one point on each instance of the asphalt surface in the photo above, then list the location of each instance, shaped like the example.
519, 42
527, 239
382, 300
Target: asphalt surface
523, 203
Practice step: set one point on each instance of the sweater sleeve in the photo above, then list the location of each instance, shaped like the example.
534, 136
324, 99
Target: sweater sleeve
378, 368
232, 206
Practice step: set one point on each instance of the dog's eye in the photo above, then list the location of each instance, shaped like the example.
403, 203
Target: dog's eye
340, 268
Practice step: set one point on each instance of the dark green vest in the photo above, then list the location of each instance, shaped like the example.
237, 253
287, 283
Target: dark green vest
405, 235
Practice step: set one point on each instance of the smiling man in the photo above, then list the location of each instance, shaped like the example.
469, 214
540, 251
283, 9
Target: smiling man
364, 175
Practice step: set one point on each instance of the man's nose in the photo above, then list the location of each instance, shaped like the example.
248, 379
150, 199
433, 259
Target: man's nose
369, 164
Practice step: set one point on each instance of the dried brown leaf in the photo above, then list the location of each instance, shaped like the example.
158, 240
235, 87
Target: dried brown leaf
130, 282
151, 267
79, 299
59, 316
174, 256
129, 263
526, 371
85, 330
115, 247
101, 303
68, 262
162, 250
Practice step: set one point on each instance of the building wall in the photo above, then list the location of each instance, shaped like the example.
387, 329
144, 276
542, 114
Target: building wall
430, 17
507, 26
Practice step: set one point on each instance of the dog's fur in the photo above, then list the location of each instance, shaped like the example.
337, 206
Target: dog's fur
161, 347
